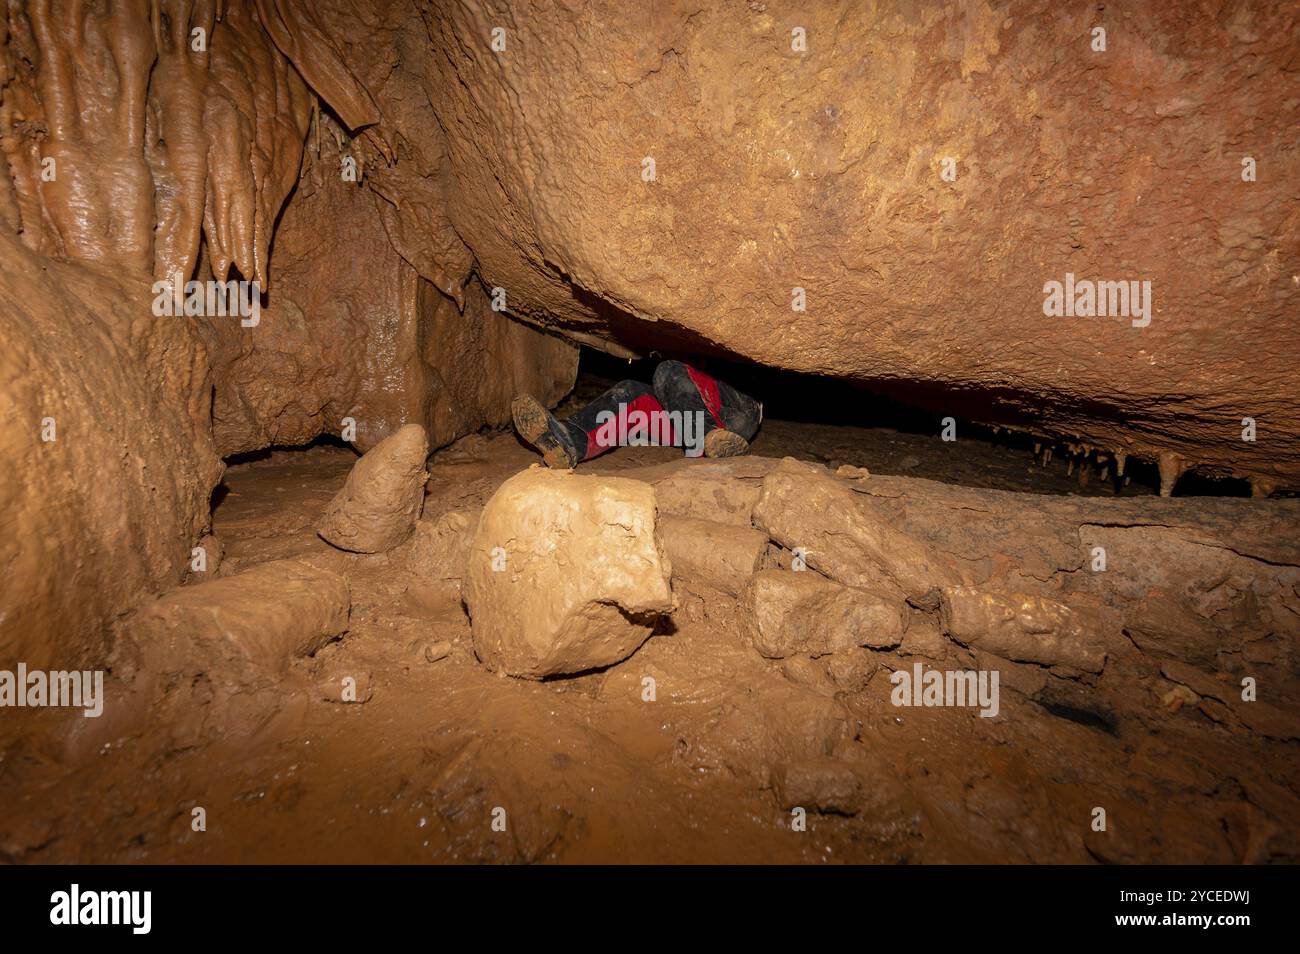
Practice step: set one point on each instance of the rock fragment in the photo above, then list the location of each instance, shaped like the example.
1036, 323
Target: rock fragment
1024, 627
438, 548
719, 555
820, 784
805, 613
808, 511
721, 490
254, 621
378, 506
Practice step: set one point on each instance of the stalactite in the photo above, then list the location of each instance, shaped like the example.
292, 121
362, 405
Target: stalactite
179, 156
311, 51
1171, 468
92, 82
151, 136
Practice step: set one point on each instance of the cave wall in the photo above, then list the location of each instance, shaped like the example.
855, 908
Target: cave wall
106, 458
140, 141
130, 152
353, 330
823, 169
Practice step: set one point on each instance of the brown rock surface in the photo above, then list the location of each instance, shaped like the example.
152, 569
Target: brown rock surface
378, 506
784, 169
565, 573
821, 784
255, 621
1025, 628
803, 612
352, 330
108, 509
821, 519
718, 555
439, 548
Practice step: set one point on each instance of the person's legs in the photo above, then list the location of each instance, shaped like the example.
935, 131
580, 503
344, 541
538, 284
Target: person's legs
705, 415
626, 413
729, 418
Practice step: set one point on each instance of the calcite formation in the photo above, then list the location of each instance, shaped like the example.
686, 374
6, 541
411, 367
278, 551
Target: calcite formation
107, 462
379, 505
146, 143
354, 341
565, 573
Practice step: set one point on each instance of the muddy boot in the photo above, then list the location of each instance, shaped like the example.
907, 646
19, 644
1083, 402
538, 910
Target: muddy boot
720, 442
539, 427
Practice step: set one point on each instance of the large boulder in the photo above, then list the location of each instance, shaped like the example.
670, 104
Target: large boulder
921, 204
565, 573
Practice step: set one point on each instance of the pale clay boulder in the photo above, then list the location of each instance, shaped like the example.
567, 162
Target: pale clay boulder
565, 573
378, 506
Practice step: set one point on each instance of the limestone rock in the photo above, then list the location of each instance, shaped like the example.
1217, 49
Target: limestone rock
565, 573
365, 335
252, 622
721, 490
378, 506
719, 555
803, 612
1024, 627
107, 467
820, 134
808, 511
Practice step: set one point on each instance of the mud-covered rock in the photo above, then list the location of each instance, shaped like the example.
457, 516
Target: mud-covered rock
565, 573
819, 784
378, 506
107, 463
247, 624
724, 491
823, 522
721, 556
439, 548
803, 612
1025, 628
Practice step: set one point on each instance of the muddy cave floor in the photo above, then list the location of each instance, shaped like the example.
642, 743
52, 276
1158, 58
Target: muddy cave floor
586, 770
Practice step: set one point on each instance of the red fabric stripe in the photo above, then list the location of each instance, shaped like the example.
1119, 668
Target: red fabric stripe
708, 389
647, 403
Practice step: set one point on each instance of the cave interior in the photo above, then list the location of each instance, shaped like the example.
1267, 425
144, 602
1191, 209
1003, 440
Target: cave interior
1009, 573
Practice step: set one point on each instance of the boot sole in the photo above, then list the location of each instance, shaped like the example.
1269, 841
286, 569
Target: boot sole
723, 443
532, 423
529, 417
